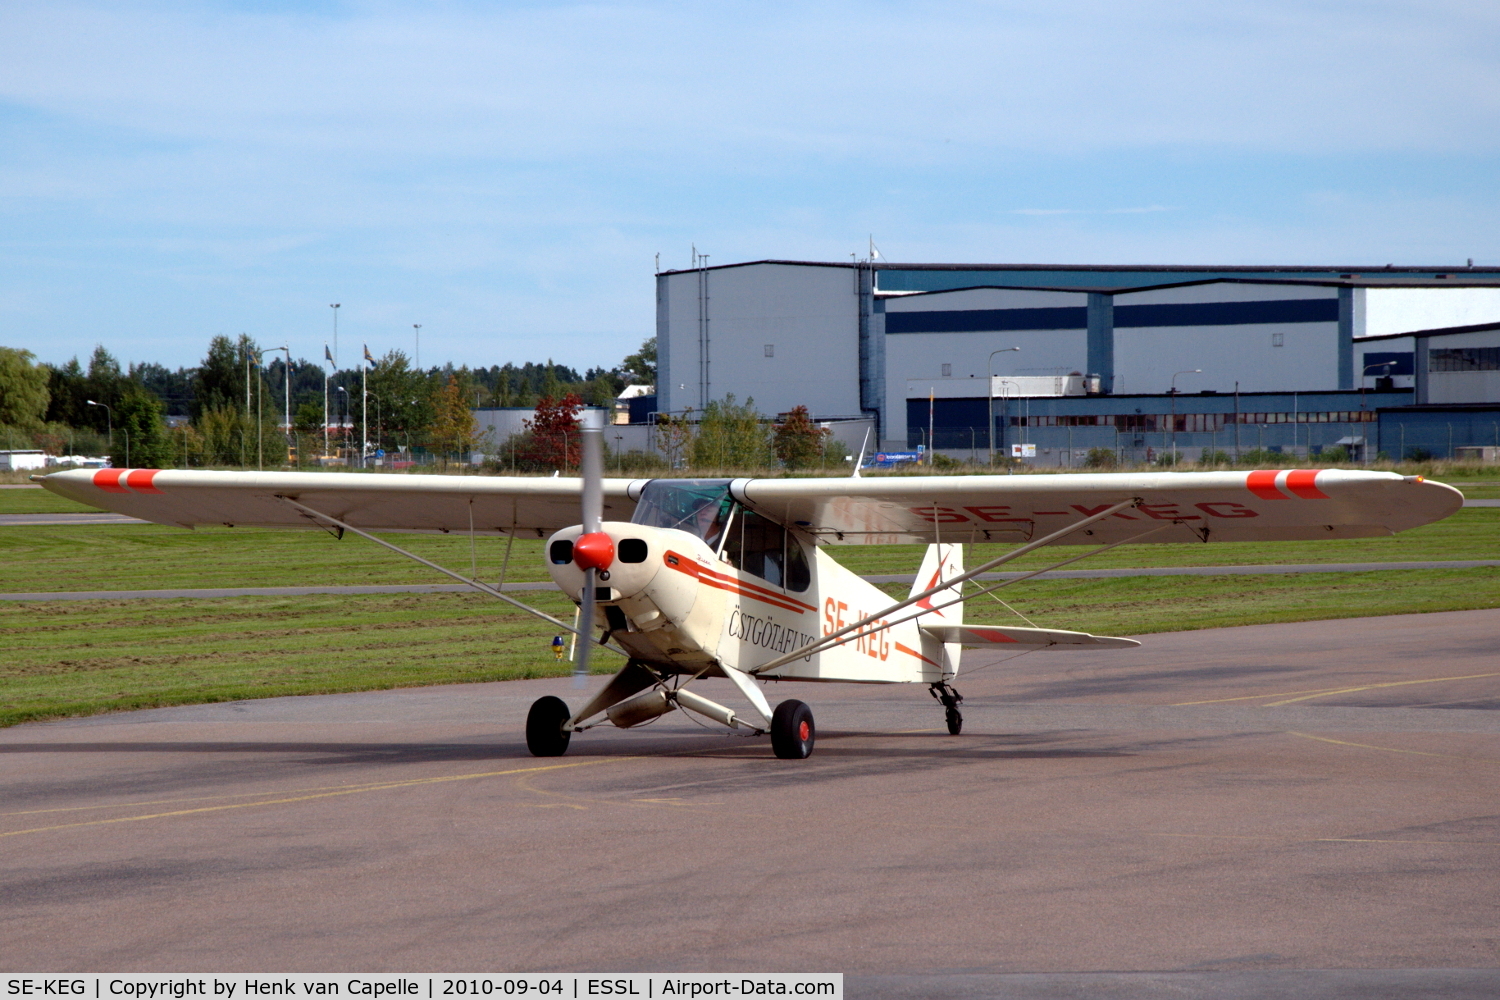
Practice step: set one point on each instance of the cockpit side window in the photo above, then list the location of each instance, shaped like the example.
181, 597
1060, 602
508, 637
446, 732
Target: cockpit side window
761, 546
699, 506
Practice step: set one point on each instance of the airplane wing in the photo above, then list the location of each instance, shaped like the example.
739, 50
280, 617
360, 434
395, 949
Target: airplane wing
498, 504
1268, 505
1004, 635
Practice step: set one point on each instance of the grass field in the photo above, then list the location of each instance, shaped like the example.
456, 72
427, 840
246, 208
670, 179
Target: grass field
138, 556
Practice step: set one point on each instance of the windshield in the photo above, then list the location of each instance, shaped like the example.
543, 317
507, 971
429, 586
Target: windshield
699, 506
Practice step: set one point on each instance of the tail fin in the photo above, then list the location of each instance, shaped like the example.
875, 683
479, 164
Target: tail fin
941, 563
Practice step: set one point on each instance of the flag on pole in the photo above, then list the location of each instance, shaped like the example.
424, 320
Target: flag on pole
367, 355
327, 354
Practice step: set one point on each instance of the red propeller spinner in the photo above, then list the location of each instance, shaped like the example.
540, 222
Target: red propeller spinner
595, 550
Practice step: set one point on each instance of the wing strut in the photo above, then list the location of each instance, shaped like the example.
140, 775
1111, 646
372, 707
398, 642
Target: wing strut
831, 639
992, 589
483, 588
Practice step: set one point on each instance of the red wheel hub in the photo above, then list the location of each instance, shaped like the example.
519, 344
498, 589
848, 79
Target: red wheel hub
803, 730
596, 550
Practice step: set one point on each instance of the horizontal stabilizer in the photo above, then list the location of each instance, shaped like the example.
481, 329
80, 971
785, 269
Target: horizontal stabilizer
1004, 635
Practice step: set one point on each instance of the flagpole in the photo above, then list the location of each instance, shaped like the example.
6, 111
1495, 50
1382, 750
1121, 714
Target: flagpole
326, 377
364, 407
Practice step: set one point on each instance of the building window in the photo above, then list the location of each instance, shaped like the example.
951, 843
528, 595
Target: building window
1278, 339
947, 371
770, 350
1464, 359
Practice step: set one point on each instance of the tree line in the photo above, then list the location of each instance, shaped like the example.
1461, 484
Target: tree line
230, 408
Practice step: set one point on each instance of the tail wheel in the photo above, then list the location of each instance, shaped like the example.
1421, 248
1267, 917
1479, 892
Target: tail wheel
955, 721
545, 736
792, 730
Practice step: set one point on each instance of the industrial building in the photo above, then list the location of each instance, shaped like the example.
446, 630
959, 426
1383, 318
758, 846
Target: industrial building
1067, 358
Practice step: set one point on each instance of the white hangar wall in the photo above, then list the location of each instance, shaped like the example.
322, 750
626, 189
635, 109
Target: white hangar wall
1205, 326
958, 329
783, 335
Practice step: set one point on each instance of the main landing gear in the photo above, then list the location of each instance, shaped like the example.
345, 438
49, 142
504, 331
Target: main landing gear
951, 699
545, 735
792, 730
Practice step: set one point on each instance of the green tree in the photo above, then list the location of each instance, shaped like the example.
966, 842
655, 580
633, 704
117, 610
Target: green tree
219, 381
402, 400
453, 429
799, 442
141, 440
23, 389
641, 366
732, 436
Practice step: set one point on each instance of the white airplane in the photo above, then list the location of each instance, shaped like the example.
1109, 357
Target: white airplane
729, 578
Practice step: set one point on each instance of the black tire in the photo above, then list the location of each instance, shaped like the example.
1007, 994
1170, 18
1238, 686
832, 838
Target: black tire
792, 730
955, 721
545, 736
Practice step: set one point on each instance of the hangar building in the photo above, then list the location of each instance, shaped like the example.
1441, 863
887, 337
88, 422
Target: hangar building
1110, 356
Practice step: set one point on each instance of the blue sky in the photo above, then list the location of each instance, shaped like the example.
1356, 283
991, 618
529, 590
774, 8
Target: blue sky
505, 173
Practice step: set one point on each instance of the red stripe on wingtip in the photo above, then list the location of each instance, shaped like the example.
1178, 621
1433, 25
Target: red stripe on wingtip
108, 480
1303, 483
139, 480
1263, 485
990, 635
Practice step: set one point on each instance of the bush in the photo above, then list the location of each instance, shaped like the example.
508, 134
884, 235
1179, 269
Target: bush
1101, 458
731, 435
1262, 457
1211, 458
1333, 455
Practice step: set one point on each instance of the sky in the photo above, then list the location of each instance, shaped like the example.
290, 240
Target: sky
505, 174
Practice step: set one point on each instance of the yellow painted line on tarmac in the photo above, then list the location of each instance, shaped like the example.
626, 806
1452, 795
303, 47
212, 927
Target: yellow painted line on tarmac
361, 786
316, 795
1370, 746
1324, 692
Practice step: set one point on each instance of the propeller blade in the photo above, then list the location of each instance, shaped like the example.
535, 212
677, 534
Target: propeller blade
594, 554
591, 423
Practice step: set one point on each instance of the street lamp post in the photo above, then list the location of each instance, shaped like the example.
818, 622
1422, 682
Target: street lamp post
109, 417
1364, 448
1173, 393
989, 387
417, 357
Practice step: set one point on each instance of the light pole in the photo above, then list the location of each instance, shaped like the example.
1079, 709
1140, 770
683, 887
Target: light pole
1173, 393
1364, 448
335, 307
417, 358
109, 417
989, 386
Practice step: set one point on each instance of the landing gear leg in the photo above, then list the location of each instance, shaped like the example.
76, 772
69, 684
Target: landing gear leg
951, 699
